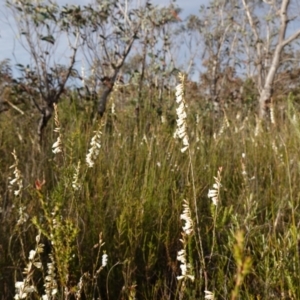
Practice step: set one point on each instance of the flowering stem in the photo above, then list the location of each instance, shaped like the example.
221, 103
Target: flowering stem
199, 244
214, 233
214, 194
181, 133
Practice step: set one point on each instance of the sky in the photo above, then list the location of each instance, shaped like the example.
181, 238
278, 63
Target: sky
10, 48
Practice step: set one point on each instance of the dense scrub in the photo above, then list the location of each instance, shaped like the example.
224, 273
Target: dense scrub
121, 187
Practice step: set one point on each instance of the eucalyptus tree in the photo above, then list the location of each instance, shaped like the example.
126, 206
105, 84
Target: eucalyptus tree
159, 43
218, 30
109, 32
109, 45
253, 38
43, 27
268, 30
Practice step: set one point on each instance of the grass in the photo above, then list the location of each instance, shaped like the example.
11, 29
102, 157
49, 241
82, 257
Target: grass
128, 206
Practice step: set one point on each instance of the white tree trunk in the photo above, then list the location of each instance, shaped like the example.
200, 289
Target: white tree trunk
266, 88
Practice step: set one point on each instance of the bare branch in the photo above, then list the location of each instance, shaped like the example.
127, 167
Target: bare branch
291, 38
14, 107
111, 81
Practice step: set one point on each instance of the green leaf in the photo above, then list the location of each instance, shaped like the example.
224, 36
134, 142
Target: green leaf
20, 66
49, 39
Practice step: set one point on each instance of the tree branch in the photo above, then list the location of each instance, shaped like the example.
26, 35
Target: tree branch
291, 38
110, 83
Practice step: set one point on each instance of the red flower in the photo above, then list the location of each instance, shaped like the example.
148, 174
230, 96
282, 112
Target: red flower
39, 184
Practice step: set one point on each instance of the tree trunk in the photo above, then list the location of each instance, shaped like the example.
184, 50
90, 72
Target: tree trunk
266, 89
264, 100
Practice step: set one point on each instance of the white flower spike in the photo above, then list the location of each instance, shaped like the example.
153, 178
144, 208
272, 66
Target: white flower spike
181, 130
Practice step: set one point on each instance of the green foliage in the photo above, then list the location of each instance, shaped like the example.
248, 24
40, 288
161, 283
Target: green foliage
133, 195
120, 209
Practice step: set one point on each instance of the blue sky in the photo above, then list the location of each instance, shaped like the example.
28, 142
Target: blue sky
10, 48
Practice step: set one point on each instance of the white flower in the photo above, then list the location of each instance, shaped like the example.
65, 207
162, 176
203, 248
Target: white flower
185, 267
31, 254
94, 149
181, 130
20, 295
17, 193
13, 181
50, 281
56, 147
17, 181
22, 290
186, 216
209, 295
38, 265
104, 260
19, 285
181, 256
54, 292
75, 183
183, 149
215, 192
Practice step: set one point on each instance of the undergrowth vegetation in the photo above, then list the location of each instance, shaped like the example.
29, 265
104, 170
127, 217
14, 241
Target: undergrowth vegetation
120, 208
